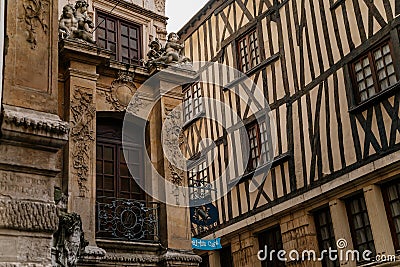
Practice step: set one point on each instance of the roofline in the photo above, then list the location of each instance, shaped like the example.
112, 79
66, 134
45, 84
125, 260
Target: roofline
197, 17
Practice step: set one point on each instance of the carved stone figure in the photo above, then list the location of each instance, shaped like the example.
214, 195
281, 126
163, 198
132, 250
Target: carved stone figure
75, 23
169, 55
35, 11
70, 241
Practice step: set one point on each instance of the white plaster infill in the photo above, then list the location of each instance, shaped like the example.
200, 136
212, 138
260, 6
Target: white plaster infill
367, 172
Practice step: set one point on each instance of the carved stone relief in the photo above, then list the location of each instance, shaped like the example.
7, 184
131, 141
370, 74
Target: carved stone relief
69, 240
34, 17
122, 90
171, 54
75, 23
160, 5
82, 135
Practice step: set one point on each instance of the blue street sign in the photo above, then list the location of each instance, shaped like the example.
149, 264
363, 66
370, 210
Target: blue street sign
201, 244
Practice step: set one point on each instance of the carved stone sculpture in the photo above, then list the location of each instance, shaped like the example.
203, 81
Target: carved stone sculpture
69, 240
169, 55
75, 23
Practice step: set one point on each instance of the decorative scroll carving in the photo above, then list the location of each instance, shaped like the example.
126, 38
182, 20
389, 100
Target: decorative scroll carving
122, 90
83, 112
128, 220
136, 104
176, 175
75, 23
70, 241
168, 55
34, 18
160, 5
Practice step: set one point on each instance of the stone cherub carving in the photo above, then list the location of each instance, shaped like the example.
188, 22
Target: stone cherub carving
75, 23
169, 55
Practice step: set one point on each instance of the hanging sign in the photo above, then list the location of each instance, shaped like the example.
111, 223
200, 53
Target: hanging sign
201, 244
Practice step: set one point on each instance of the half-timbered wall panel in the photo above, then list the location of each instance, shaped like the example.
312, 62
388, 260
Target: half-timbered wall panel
306, 54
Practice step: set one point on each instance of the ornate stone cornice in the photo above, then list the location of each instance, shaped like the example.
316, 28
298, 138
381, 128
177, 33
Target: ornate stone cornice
28, 215
132, 258
186, 256
33, 126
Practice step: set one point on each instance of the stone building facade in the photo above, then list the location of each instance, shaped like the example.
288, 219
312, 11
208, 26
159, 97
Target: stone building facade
66, 195
330, 72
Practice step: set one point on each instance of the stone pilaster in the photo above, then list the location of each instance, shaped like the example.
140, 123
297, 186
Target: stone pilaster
80, 77
298, 233
244, 250
214, 258
176, 236
378, 220
341, 227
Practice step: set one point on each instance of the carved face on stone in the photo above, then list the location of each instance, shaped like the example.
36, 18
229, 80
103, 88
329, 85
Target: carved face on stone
68, 11
173, 37
82, 5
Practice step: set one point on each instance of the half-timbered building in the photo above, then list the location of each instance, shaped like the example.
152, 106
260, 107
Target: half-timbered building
330, 72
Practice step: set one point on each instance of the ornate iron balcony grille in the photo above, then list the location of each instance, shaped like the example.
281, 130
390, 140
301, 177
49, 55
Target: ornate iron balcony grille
128, 220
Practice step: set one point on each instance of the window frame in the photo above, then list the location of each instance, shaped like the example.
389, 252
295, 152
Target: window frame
390, 217
264, 237
261, 146
369, 53
190, 109
331, 240
119, 22
357, 197
246, 36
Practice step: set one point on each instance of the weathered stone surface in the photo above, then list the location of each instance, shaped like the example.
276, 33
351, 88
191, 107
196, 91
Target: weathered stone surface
28, 216
23, 186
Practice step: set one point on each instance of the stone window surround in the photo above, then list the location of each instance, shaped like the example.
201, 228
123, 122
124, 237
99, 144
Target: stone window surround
124, 14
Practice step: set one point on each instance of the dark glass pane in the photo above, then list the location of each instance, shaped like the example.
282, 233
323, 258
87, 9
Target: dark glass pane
108, 168
124, 170
133, 33
99, 166
108, 153
110, 25
109, 183
124, 30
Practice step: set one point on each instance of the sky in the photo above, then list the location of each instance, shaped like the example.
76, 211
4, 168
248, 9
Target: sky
180, 11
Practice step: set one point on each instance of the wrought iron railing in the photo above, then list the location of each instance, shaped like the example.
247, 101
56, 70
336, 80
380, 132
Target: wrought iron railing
128, 220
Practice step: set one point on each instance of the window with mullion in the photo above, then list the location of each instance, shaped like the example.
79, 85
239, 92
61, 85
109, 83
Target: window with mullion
249, 54
107, 34
199, 178
391, 196
260, 152
359, 224
374, 72
121, 37
325, 235
192, 103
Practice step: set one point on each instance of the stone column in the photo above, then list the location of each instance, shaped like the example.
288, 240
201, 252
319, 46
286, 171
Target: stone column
176, 235
378, 219
32, 133
80, 61
341, 227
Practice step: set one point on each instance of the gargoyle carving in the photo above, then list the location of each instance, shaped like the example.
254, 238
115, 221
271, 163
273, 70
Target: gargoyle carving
168, 55
75, 23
